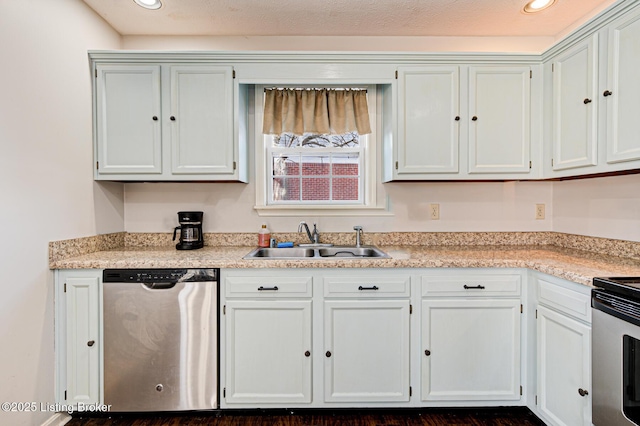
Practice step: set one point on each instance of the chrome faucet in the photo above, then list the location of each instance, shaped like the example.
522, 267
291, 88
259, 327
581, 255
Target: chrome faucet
358, 230
313, 237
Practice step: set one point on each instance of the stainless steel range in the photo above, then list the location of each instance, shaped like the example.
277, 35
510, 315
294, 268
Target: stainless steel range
616, 351
160, 339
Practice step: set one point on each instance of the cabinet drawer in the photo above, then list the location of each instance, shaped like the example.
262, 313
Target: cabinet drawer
471, 286
268, 286
565, 300
363, 286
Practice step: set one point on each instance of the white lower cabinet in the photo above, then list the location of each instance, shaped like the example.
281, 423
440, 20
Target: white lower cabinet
268, 346
563, 352
78, 336
471, 350
367, 350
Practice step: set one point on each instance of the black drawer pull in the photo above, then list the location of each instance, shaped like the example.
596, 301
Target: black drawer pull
375, 287
583, 392
468, 287
587, 101
274, 288
607, 93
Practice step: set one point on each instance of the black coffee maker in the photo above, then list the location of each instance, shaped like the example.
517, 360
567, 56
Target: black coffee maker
190, 231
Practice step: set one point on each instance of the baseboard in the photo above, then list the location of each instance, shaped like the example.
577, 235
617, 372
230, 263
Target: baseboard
58, 419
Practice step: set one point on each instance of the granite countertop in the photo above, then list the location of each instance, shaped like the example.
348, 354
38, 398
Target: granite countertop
571, 264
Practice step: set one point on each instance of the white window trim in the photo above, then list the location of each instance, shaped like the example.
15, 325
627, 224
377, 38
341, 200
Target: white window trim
374, 201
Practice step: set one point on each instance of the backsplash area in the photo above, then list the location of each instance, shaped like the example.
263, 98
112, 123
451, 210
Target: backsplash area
64, 249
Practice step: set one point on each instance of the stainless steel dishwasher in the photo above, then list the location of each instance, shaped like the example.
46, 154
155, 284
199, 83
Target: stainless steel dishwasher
160, 339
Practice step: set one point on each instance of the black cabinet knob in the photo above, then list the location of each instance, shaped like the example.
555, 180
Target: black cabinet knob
457, 118
91, 343
155, 118
583, 392
172, 118
328, 354
307, 354
587, 101
607, 93
427, 352
474, 118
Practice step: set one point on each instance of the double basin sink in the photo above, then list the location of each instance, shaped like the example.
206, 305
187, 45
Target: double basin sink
287, 253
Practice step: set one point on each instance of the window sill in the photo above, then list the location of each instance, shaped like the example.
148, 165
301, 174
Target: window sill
322, 211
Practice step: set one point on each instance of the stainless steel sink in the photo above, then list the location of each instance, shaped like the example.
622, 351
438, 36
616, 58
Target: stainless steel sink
288, 253
358, 252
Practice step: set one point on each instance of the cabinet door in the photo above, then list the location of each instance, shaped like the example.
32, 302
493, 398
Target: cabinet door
623, 143
564, 367
470, 350
575, 103
429, 120
499, 122
82, 339
366, 350
128, 118
201, 120
268, 351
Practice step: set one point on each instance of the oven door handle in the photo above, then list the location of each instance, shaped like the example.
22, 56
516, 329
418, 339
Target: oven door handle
613, 311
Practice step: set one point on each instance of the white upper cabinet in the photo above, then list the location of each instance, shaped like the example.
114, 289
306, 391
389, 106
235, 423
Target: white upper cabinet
128, 120
623, 89
201, 120
169, 122
499, 114
451, 131
429, 120
575, 101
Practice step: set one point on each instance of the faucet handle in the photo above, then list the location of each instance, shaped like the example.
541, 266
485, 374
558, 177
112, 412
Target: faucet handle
357, 228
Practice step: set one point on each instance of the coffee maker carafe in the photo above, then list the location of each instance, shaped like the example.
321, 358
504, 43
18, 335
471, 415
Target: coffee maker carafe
190, 231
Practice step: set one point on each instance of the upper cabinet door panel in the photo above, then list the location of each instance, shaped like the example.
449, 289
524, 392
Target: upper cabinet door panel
201, 119
623, 143
499, 122
575, 104
428, 129
128, 119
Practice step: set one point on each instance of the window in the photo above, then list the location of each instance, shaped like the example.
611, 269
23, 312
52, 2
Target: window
316, 174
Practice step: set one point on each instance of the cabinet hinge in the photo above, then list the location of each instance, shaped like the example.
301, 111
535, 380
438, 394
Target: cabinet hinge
233, 73
234, 165
536, 399
521, 308
536, 314
410, 391
97, 165
520, 390
224, 310
96, 73
65, 395
410, 309
396, 165
553, 68
530, 164
396, 74
530, 73
224, 392
65, 290
552, 162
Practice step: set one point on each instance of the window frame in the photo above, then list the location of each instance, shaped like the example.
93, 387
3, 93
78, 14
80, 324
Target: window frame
371, 186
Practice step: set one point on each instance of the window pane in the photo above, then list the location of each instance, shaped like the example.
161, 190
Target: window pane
315, 189
286, 189
286, 165
345, 189
315, 165
345, 165
285, 140
310, 140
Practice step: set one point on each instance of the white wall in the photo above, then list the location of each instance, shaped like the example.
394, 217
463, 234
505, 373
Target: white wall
45, 179
228, 207
599, 207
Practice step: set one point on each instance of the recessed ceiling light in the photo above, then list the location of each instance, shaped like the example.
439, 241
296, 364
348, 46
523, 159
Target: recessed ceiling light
537, 5
149, 4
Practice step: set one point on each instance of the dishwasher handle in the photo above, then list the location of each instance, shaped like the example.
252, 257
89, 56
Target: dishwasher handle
159, 286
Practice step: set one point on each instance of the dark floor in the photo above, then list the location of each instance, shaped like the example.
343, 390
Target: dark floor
374, 417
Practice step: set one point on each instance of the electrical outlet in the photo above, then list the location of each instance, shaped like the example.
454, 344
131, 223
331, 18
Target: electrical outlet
434, 211
539, 211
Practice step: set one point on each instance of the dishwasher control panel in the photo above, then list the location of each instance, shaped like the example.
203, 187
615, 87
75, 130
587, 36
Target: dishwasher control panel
159, 275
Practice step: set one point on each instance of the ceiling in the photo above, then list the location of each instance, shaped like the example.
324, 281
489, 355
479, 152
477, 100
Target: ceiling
345, 17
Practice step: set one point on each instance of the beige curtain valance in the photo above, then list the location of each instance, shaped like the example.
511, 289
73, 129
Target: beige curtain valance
319, 111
